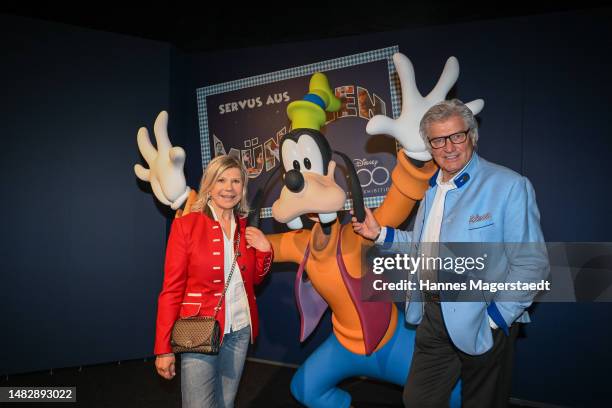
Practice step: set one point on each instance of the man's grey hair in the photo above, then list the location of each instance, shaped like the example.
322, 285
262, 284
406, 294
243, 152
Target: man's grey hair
441, 112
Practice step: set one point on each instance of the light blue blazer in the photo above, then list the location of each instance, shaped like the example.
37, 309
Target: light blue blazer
490, 204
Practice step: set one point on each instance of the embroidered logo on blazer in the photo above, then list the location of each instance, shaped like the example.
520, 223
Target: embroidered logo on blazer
478, 218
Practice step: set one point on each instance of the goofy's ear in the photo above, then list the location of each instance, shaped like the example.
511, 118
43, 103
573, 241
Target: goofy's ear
257, 201
354, 186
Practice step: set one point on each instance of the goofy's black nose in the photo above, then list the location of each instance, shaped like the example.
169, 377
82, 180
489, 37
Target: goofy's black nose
294, 181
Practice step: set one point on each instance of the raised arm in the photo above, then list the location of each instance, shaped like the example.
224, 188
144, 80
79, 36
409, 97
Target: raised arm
408, 186
410, 181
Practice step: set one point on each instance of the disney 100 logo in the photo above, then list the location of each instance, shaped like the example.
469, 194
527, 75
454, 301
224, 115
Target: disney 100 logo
371, 175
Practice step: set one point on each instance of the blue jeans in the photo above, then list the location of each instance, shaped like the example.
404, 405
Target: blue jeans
212, 381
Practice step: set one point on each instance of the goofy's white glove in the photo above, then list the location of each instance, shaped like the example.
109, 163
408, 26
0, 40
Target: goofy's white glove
165, 172
405, 129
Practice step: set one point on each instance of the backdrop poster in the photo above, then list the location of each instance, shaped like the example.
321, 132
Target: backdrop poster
247, 118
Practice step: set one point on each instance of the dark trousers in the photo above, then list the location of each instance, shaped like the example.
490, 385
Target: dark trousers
437, 365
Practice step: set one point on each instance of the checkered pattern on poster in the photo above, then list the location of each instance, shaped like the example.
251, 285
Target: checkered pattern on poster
205, 94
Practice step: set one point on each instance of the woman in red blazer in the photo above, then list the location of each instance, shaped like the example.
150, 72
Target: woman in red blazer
199, 257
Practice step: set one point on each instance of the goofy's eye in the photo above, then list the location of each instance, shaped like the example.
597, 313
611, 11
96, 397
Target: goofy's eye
311, 153
290, 154
305, 155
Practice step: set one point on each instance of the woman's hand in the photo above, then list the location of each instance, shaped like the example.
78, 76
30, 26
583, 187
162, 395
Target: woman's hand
165, 365
257, 239
369, 228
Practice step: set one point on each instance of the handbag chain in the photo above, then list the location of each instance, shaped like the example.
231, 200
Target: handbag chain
229, 278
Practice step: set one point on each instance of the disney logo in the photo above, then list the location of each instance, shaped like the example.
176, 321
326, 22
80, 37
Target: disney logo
365, 162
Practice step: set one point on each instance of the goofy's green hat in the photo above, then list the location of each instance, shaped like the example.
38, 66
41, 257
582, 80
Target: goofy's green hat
309, 113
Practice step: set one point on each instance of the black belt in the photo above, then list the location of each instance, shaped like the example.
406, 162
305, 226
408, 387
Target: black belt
432, 297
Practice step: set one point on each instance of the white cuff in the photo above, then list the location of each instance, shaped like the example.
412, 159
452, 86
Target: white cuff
181, 199
381, 236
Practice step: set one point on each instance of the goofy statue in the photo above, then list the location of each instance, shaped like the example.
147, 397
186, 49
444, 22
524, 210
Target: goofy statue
369, 339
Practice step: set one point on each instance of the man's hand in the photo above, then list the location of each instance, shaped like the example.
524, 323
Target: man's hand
257, 239
165, 172
166, 366
369, 228
405, 129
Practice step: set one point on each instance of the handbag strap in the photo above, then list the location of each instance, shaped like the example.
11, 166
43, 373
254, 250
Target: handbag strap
229, 278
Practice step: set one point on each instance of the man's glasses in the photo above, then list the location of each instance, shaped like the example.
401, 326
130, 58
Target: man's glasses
456, 138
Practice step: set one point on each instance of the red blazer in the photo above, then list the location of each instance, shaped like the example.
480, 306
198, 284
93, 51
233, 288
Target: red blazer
194, 278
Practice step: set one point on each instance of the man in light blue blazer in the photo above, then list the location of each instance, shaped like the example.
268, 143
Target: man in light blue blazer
469, 200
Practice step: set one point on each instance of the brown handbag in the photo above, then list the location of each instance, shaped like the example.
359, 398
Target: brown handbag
201, 334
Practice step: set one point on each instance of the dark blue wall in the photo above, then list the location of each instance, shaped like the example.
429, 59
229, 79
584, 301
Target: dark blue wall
83, 245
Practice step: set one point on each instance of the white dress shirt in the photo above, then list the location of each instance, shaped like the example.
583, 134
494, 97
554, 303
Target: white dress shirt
236, 306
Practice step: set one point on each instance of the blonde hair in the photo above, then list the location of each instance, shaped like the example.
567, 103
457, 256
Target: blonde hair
213, 171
